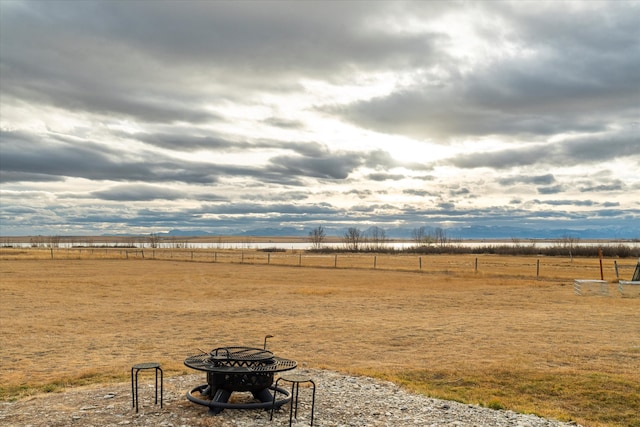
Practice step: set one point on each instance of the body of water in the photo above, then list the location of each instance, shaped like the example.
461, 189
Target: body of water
297, 246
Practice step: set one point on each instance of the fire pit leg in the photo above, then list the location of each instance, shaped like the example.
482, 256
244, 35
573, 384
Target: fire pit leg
221, 395
213, 410
263, 395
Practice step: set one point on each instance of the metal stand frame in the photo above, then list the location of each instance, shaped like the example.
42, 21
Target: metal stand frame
135, 369
295, 380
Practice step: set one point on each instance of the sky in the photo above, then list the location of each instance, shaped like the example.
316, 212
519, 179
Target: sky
232, 117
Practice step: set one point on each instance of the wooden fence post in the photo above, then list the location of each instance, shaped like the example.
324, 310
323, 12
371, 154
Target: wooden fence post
600, 256
538, 268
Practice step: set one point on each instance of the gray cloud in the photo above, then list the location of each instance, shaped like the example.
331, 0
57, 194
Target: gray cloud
421, 193
615, 186
138, 193
554, 189
610, 204
545, 179
17, 176
587, 150
56, 157
566, 202
385, 177
61, 157
281, 209
459, 192
335, 166
185, 142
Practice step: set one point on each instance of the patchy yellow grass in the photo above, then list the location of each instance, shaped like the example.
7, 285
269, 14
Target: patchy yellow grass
499, 337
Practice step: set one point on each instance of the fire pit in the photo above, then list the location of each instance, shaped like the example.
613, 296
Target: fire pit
238, 369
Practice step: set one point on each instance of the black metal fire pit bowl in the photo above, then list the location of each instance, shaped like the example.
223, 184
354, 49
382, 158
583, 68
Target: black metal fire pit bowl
239, 369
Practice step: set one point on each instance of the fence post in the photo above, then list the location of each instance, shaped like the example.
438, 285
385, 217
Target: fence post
335, 261
600, 256
538, 268
615, 264
299, 260
476, 264
375, 261
420, 262
51, 252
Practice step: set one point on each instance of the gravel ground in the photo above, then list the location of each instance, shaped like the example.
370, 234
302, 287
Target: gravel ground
341, 401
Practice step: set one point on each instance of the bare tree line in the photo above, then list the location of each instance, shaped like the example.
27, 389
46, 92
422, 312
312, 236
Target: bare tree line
375, 238
436, 240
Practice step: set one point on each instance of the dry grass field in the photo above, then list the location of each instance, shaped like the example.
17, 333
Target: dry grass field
503, 336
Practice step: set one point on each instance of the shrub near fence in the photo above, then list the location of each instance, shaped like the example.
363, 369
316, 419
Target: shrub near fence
608, 250
562, 268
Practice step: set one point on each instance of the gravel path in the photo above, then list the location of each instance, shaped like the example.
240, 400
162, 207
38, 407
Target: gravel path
341, 401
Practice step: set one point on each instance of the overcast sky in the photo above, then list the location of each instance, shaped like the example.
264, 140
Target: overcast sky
148, 116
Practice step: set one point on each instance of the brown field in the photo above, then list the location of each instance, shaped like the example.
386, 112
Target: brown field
509, 335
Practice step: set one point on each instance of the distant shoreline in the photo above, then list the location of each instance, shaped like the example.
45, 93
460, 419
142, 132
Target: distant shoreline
280, 239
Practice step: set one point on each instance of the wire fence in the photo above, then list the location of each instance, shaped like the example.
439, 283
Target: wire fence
490, 264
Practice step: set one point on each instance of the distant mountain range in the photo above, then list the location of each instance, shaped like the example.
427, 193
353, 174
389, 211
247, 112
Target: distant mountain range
472, 233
